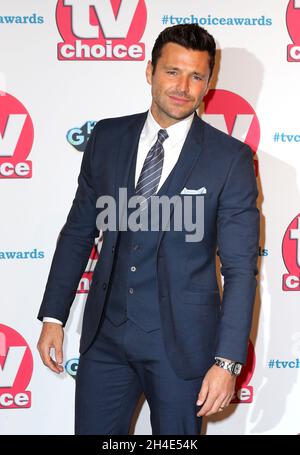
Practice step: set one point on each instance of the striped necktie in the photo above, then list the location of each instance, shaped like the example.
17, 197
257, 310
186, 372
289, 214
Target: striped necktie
152, 168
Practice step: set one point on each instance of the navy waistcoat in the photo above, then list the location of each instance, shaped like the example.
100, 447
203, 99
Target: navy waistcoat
133, 291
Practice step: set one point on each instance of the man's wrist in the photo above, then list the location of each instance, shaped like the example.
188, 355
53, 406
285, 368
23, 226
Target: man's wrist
234, 368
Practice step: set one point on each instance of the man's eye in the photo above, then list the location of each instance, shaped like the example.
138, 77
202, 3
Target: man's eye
171, 72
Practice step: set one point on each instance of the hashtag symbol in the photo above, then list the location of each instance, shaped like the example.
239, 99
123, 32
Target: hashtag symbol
276, 137
271, 363
165, 19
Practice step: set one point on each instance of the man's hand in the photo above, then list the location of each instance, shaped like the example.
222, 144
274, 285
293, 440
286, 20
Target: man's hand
52, 336
216, 392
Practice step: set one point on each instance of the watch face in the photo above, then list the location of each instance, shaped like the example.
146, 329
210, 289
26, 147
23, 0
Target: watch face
237, 368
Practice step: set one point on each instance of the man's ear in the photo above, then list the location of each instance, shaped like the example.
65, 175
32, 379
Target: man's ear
149, 72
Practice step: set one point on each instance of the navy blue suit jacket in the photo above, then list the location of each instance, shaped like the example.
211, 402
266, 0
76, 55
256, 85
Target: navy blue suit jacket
195, 326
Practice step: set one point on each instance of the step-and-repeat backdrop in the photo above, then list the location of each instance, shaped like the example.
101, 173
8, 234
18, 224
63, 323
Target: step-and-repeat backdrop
66, 64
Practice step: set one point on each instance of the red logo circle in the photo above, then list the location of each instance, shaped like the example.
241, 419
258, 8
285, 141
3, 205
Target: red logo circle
16, 131
293, 20
16, 366
291, 256
232, 114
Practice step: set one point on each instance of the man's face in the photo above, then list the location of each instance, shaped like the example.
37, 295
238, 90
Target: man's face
179, 83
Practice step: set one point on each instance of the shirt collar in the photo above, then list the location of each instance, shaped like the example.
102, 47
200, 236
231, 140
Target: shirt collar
176, 132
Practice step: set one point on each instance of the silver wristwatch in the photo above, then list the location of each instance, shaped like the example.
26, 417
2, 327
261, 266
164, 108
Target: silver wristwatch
234, 368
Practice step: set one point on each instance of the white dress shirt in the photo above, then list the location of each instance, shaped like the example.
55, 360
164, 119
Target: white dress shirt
172, 147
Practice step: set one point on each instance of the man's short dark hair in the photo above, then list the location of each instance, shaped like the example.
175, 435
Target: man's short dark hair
190, 36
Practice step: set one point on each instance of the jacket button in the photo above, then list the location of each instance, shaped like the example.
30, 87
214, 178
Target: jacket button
133, 268
113, 249
130, 291
136, 247
104, 286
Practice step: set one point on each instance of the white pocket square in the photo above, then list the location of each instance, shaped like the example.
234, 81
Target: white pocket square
199, 191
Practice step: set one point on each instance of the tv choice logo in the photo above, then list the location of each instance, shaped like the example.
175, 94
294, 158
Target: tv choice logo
233, 115
16, 366
101, 29
78, 137
293, 26
291, 256
16, 138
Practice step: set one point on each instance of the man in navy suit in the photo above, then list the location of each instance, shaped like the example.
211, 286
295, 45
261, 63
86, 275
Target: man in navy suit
154, 321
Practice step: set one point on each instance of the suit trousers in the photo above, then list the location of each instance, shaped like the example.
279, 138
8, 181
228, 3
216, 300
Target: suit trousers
122, 363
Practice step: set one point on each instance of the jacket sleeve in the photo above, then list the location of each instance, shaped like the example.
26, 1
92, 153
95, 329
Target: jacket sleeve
74, 244
238, 245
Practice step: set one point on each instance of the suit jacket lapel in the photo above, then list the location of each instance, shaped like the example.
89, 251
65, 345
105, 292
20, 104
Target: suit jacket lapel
126, 159
127, 150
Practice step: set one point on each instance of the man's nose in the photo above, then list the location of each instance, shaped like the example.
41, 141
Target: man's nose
183, 85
